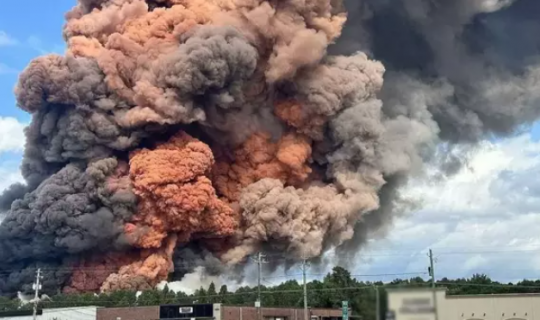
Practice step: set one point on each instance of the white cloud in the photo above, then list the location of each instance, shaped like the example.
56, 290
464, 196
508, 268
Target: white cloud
484, 219
10, 174
36, 44
12, 137
11, 140
6, 40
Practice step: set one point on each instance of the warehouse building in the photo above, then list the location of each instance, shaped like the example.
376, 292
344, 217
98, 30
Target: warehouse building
75, 313
213, 311
418, 304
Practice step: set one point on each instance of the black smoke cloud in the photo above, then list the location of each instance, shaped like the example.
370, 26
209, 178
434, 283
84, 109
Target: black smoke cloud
475, 75
187, 258
458, 70
21, 277
72, 211
449, 77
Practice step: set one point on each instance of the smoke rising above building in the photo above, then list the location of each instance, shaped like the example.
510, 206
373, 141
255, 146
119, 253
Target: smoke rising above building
176, 134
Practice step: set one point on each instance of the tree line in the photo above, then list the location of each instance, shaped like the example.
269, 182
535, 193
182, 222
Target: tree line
337, 286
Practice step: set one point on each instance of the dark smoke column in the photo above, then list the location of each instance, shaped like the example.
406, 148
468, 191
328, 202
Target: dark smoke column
220, 128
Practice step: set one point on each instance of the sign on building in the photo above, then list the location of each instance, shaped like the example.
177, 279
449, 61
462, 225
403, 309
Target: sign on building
345, 309
184, 310
417, 305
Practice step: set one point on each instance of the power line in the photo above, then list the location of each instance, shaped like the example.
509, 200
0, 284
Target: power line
189, 298
401, 252
373, 275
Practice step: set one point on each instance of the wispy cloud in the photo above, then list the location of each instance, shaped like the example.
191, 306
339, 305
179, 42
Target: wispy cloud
6, 39
36, 44
477, 221
5, 69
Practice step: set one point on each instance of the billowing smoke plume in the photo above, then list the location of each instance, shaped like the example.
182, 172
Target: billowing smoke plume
179, 134
458, 71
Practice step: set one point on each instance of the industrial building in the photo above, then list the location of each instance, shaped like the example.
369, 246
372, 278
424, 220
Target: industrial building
213, 311
75, 313
418, 304
170, 312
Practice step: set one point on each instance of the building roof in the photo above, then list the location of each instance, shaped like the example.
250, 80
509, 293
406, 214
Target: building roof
398, 289
488, 295
467, 296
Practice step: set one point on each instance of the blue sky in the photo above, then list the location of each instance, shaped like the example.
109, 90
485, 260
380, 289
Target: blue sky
493, 204
24, 35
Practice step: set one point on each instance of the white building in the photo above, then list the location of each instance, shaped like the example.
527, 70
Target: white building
417, 304
75, 313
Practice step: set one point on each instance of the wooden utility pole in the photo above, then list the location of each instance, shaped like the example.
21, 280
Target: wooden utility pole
377, 304
258, 303
37, 287
433, 287
304, 267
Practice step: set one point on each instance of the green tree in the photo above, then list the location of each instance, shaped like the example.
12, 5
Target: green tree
7, 304
335, 287
223, 294
200, 296
211, 293
149, 298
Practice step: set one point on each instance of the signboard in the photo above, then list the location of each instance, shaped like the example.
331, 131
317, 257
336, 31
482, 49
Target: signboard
390, 315
345, 309
184, 310
417, 306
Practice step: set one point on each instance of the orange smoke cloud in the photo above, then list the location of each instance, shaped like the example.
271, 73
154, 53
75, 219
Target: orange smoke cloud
132, 42
149, 269
175, 194
136, 69
296, 116
260, 158
127, 37
90, 273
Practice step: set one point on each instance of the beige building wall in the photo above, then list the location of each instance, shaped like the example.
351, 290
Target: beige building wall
415, 304
471, 307
494, 307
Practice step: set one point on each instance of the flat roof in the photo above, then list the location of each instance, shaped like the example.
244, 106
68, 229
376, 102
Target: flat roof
266, 307
415, 289
225, 305
462, 296
491, 295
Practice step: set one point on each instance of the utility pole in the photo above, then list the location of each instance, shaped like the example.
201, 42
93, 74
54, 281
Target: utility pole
37, 287
433, 287
377, 304
258, 303
304, 267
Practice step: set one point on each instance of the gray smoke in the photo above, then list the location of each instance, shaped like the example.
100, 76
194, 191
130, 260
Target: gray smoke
70, 212
457, 71
450, 73
70, 105
454, 53
20, 277
186, 259
12, 193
